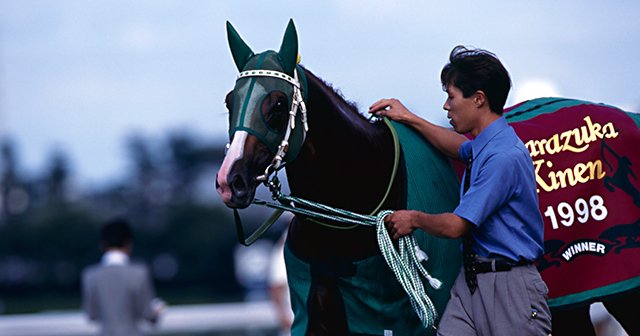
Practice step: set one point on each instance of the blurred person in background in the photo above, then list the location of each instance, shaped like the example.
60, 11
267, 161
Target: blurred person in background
117, 294
279, 287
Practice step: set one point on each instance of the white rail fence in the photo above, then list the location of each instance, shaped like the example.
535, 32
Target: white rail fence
221, 318
247, 318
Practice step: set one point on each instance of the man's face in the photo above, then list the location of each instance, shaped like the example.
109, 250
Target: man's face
460, 110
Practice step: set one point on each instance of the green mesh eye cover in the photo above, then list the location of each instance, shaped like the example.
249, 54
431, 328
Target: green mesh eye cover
248, 95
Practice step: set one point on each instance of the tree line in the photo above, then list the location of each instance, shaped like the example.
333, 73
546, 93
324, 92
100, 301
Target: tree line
49, 228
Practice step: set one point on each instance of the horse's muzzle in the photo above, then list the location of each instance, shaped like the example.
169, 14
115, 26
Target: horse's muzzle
235, 191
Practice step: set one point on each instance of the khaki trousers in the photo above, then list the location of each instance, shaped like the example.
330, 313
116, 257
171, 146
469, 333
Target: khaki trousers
505, 303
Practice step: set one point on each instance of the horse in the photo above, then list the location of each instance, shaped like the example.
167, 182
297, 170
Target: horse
338, 283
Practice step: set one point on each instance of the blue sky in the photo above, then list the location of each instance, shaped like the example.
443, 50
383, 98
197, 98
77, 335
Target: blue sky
81, 75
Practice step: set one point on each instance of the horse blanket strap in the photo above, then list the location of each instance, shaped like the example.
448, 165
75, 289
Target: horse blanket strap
392, 178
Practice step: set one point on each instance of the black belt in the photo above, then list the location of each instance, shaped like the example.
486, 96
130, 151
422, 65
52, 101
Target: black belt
496, 265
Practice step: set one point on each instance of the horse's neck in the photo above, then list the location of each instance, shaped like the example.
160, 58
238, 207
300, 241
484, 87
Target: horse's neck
345, 161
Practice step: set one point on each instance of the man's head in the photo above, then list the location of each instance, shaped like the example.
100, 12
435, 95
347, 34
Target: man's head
473, 70
116, 234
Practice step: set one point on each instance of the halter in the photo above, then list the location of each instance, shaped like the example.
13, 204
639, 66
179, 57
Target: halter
297, 103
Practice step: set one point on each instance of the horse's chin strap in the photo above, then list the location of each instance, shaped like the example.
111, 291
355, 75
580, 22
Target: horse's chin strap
297, 103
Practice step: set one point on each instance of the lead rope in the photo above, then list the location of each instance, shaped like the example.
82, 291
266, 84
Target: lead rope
406, 264
407, 268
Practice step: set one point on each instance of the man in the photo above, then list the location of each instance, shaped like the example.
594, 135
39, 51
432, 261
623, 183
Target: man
499, 291
117, 293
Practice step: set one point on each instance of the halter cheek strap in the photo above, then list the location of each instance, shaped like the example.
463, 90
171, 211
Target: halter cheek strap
297, 103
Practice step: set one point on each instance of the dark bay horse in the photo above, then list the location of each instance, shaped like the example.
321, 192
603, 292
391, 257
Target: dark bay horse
338, 280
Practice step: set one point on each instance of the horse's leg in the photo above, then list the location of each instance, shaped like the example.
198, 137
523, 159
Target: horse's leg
327, 263
327, 316
622, 308
570, 322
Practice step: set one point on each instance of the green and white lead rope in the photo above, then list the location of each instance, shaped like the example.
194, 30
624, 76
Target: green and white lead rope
407, 267
405, 263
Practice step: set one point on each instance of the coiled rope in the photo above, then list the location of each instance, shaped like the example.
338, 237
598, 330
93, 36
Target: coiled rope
404, 262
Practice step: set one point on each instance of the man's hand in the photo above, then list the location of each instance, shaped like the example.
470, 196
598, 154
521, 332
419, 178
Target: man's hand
401, 223
392, 109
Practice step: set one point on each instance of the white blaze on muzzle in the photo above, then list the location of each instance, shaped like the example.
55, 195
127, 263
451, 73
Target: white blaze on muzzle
235, 153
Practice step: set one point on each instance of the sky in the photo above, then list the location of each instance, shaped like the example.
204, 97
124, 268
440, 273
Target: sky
81, 76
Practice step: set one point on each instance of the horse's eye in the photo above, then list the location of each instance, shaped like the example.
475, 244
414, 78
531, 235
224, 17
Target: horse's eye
281, 105
274, 110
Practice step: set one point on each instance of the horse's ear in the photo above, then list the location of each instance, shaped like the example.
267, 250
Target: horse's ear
239, 49
289, 48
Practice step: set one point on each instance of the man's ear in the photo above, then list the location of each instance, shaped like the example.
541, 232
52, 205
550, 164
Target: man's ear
479, 98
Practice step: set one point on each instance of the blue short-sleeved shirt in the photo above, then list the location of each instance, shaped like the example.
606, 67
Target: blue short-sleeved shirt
502, 201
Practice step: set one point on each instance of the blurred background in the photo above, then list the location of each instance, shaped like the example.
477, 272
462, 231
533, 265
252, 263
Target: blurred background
112, 108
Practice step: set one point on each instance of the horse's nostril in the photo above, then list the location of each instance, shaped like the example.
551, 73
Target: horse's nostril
238, 183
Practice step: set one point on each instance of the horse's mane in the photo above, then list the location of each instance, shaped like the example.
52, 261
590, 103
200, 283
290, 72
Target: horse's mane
334, 94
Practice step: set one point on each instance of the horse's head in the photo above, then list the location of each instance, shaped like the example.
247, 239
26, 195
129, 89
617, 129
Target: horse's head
259, 105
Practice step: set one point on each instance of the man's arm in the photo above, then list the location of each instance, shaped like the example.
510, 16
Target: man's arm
89, 300
446, 140
447, 225
151, 306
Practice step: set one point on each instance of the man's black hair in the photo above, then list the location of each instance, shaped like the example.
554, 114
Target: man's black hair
471, 70
116, 233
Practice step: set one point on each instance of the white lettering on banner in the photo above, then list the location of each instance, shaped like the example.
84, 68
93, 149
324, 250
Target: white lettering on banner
594, 209
583, 247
